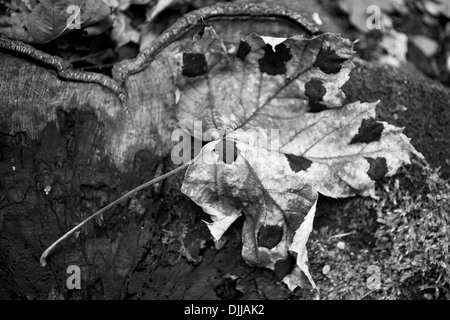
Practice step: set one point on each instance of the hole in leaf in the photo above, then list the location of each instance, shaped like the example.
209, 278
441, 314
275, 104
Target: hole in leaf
369, 131
269, 236
298, 163
284, 266
378, 168
315, 107
227, 150
243, 50
274, 62
194, 64
315, 91
328, 61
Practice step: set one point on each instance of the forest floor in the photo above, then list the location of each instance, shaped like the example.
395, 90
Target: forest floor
393, 247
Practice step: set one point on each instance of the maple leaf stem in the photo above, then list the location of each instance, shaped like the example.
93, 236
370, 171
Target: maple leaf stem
44, 256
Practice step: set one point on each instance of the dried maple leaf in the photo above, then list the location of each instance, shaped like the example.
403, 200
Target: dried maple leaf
261, 85
291, 85
279, 208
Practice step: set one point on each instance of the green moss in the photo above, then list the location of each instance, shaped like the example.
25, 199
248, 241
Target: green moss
408, 229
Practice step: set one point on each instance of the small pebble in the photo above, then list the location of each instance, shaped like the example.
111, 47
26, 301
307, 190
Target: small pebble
428, 296
231, 49
326, 269
47, 189
428, 46
316, 18
177, 95
373, 269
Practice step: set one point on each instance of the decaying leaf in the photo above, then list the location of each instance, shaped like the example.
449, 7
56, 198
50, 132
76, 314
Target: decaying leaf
435, 7
160, 6
261, 85
275, 202
123, 5
49, 20
395, 46
122, 31
348, 150
293, 86
12, 26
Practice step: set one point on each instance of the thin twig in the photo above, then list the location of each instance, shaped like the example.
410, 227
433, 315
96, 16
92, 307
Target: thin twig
43, 259
425, 287
342, 235
369, 293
